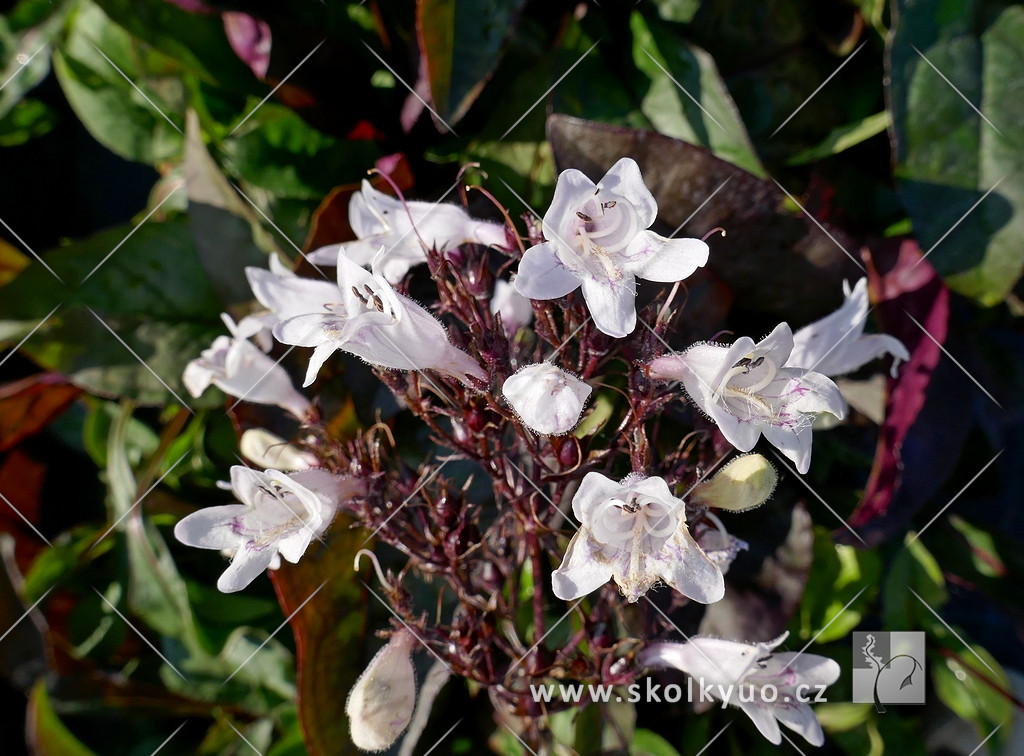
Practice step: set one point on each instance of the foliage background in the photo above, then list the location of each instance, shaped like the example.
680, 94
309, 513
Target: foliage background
141, 173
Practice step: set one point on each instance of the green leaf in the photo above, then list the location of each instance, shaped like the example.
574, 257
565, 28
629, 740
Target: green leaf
196, 41
681, 11
26, 121
156, 592
276, 150
222, 223
25, 56
152, 292
647, 743
958, 682
839, 573
45, 733
62, 561
913, 568
676, 70
947, 155
461, 43
984, 551
843, 138
116, 113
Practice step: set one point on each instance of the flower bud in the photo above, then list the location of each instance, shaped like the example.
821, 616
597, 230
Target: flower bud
744, 483
381, 703
268, 450
547, 399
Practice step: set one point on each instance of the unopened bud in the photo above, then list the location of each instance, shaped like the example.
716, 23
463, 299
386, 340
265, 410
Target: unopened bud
744, 483
269, 451
382, 700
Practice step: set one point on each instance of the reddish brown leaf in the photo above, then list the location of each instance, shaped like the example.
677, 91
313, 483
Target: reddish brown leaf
330, 220
21, 483
329, 631
903, 283
29, 405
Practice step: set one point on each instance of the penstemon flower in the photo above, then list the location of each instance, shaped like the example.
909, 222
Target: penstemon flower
737, 673
239, 368
279, 515
635, 532
401, 229
746, 390
836, 344
547, 399
597, 238
366, 317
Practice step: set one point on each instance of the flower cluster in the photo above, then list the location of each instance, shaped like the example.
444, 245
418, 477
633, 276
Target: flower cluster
519, 376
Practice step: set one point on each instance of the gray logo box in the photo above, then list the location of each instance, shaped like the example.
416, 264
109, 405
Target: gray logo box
888, 668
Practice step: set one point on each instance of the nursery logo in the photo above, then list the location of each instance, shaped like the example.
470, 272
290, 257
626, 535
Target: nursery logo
888, 668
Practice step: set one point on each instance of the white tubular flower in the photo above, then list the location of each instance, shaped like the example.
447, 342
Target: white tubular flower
238, 368
278, 517
516, 310
635, 532
547, 399
261, 447
737, 673
836, 344
381, 703
380, 220
746, 390
363, 316
597, 238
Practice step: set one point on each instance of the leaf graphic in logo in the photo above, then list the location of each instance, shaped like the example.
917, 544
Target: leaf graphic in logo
909, 679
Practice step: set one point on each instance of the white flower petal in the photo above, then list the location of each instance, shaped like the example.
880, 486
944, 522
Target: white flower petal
812, 669
624, 180
712, 660
763, 717
815, 393
683, 565
800, 718
211, 527
246, 566
583, 570
655, 258
542, 275
291, 295
613, 306
836, 344
197, 377
594, 488
794, 443
571, 189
